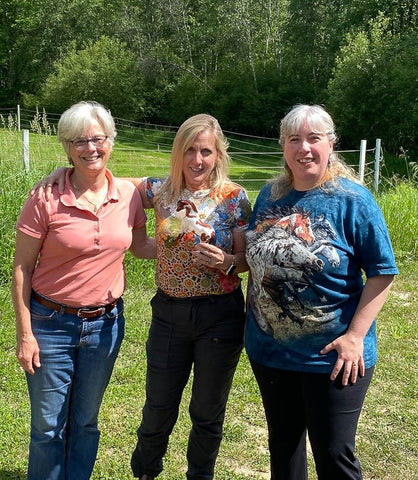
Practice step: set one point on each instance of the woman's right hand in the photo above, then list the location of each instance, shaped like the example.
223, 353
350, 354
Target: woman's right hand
44, 186
27, 353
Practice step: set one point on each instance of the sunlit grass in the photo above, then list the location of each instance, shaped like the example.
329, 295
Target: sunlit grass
388, 428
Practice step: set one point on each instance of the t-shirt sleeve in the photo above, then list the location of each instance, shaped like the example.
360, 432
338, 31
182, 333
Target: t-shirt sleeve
242, 211
33, 218
372, 244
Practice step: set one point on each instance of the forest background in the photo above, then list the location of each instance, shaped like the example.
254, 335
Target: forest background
244, 61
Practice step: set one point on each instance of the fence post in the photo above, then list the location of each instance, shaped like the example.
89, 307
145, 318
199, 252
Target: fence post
25, 138
362, 164
377, 158
18, 118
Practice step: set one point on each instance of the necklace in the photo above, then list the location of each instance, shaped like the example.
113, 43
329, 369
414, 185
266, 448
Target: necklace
96, 205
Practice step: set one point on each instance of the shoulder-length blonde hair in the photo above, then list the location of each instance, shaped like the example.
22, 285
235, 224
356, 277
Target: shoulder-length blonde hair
185, 136
320, 121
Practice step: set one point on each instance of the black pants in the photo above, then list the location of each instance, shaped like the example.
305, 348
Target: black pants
296, 402
206, 333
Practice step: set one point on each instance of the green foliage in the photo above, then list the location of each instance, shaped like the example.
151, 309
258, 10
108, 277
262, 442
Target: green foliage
39, 32
373, 91
104, 71
399, 205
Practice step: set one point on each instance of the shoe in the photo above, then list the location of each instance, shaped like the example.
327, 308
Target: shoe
146, 477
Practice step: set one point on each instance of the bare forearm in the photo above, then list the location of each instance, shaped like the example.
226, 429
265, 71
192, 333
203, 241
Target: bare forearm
371, 302
239, 261
21, 293
350, 345
145, 249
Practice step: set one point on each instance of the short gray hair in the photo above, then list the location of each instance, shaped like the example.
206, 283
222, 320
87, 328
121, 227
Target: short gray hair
77, 118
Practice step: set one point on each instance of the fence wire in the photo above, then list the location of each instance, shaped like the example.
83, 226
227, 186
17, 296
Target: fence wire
254, 159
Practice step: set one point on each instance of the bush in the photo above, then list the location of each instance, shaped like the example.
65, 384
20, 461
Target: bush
104, 71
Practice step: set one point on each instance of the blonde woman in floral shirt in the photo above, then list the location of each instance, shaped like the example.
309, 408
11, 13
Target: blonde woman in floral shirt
198, 310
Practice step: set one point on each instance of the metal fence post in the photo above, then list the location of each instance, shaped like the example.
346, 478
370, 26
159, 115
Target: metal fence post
362, 163
377, 157
25, 138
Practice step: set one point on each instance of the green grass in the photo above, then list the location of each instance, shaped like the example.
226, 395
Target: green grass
387, 435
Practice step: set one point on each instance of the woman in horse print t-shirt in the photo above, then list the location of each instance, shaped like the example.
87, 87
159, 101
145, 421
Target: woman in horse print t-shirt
311, 330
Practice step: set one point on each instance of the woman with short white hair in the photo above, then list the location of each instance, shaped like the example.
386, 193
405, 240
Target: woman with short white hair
68, 282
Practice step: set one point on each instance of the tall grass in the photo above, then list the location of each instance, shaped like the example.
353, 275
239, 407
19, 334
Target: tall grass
400, 207
388, 428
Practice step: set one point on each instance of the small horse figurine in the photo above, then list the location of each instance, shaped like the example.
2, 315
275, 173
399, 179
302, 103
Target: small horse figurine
190, 222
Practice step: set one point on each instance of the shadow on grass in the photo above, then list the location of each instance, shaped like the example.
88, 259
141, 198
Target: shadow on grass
12, 474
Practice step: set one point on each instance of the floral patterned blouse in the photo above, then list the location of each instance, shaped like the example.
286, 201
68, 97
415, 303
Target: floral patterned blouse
196, 217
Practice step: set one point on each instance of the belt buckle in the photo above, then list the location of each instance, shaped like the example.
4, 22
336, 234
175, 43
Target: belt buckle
92, 313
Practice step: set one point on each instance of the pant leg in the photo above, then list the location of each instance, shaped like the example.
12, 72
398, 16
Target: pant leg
169, 361
332, 415
66, 393
219, 330
98, 348
49, 392
281, 392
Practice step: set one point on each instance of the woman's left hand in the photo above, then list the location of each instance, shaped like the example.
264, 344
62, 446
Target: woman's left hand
350, 357
209, 255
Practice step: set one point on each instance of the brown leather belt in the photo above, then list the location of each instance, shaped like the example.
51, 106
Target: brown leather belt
83, 312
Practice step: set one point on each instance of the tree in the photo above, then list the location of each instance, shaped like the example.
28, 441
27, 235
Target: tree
373, 93
39, 32
104, 71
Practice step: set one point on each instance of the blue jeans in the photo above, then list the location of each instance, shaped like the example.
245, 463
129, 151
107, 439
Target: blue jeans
206, 333
77, 358
300, 402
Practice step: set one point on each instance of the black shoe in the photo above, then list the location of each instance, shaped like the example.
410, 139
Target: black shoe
146, 477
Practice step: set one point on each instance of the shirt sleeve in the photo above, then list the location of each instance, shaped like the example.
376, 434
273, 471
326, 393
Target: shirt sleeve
372, 244
242, 211
33, 219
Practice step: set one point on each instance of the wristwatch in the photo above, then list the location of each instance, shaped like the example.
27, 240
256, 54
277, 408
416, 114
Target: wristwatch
231, 269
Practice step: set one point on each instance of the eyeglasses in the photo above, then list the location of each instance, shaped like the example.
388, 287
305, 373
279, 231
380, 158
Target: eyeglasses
81, 143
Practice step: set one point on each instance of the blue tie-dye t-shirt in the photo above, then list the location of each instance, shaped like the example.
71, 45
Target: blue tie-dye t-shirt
308, 253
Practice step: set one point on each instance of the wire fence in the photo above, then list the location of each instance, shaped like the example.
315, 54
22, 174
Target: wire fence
254, 159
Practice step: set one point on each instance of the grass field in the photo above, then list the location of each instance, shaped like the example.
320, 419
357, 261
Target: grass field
388, 431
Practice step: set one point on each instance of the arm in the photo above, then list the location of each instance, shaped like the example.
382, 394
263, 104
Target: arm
26, 254
44, 186
212, 256
350, 345
142, 245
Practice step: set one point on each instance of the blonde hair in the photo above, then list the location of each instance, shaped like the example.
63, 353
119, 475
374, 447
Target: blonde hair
74, 122
185, 136
320, 121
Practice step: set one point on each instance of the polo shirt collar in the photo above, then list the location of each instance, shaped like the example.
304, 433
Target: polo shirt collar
68, 197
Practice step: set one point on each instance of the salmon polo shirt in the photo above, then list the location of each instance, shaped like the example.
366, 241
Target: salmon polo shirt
81, 259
